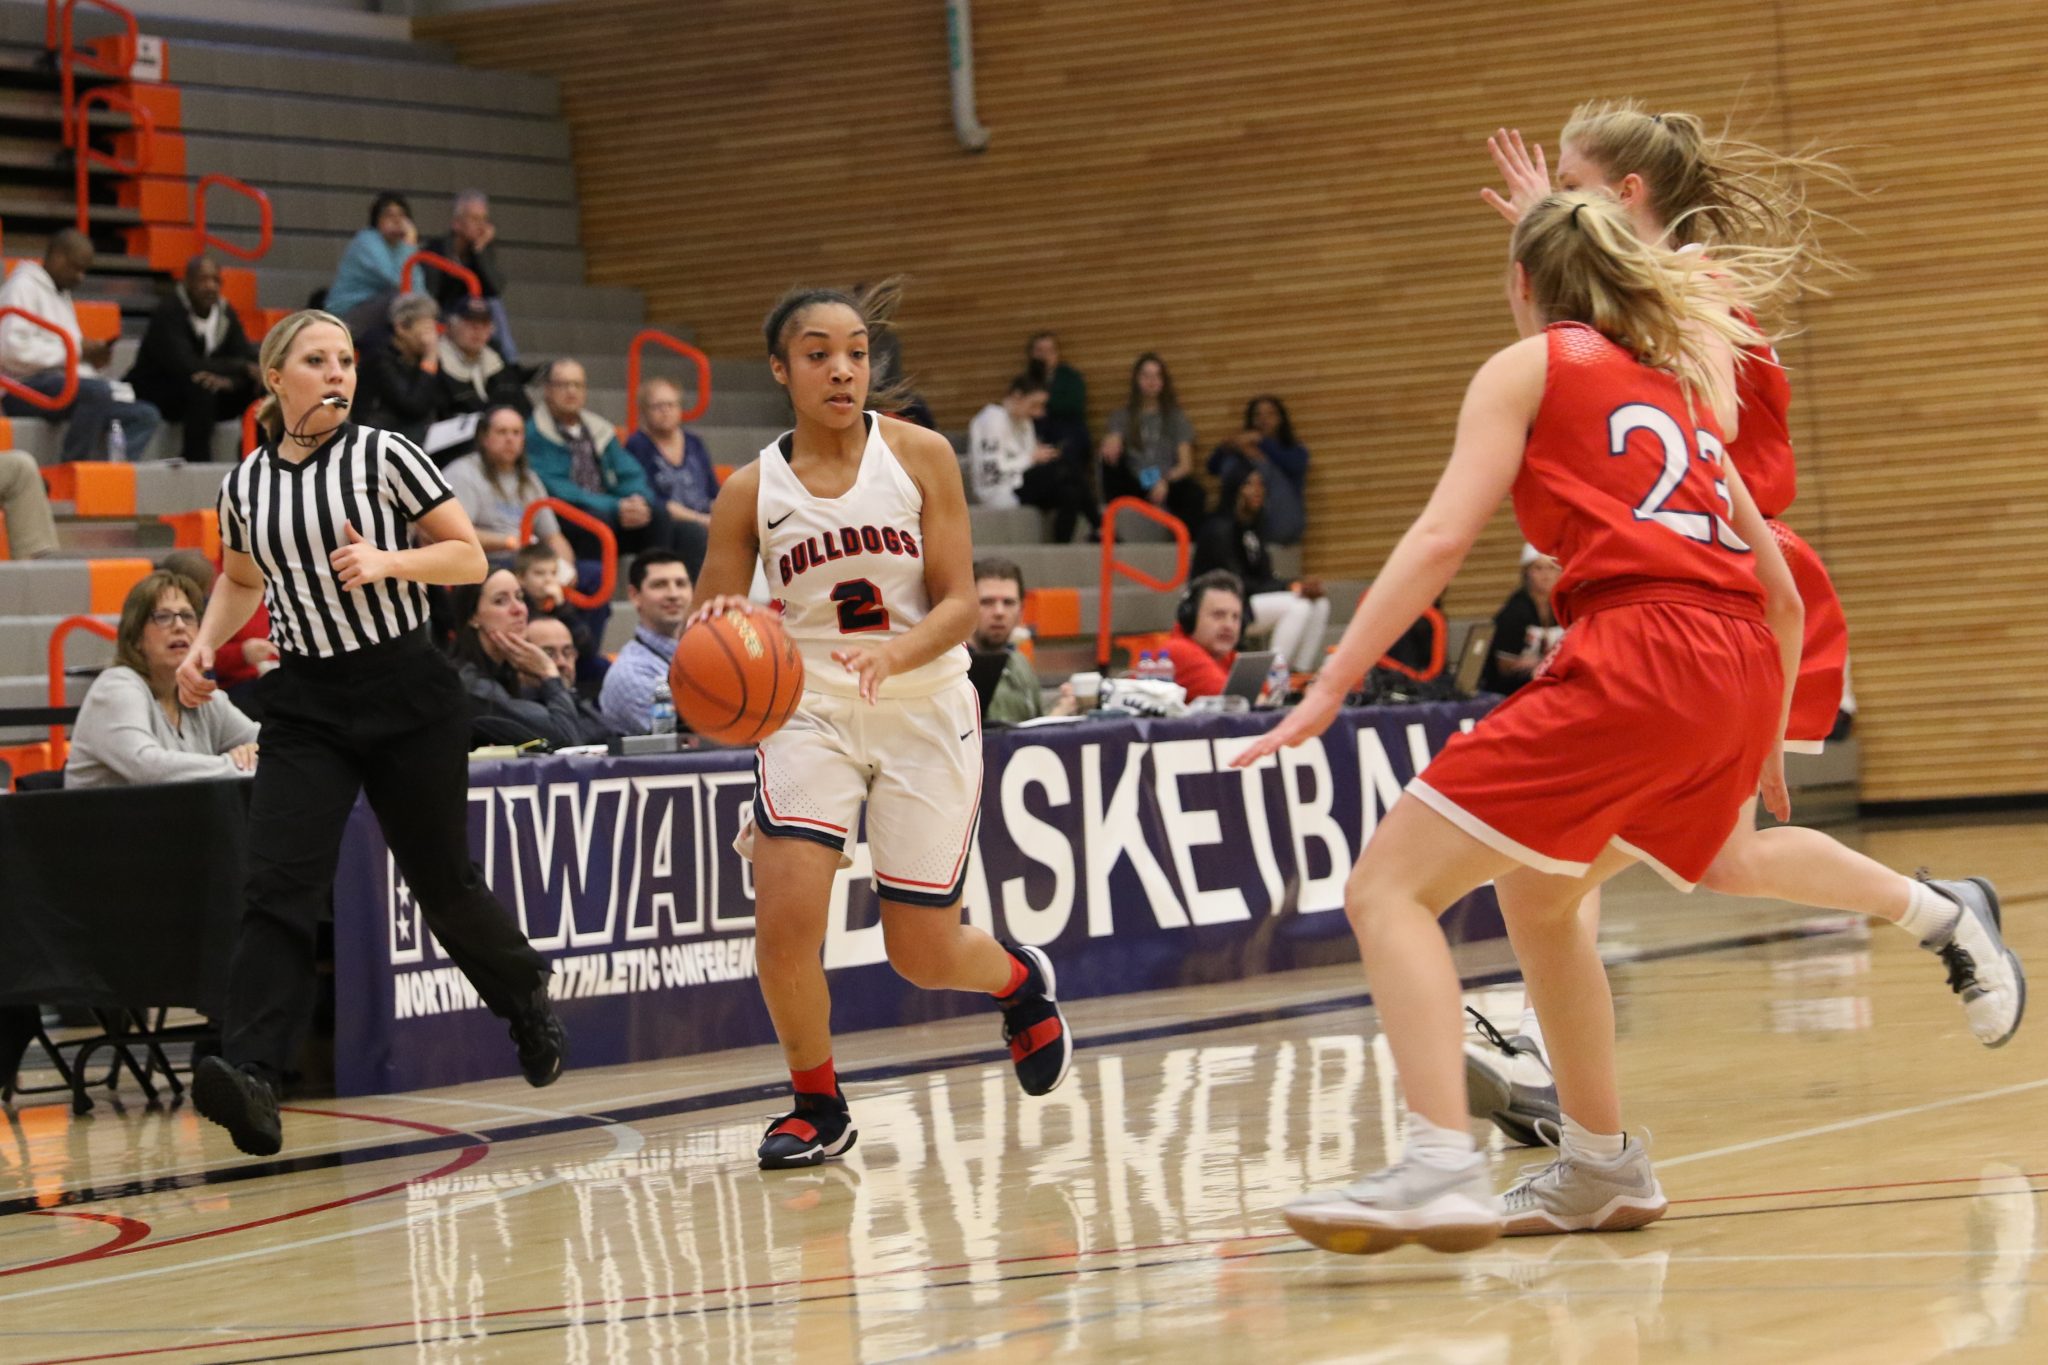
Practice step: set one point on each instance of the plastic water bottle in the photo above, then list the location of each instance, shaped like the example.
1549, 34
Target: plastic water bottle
1277, 678
1148, 666
117, 444
661, 719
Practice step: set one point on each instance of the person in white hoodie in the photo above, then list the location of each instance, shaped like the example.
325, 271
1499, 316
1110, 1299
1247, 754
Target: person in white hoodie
33, 356
1003, 446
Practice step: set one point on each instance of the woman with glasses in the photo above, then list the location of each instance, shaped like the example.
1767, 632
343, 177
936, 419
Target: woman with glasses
133, 730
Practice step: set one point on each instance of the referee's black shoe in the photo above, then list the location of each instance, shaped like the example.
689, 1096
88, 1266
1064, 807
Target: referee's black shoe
540, 1038
241, 1101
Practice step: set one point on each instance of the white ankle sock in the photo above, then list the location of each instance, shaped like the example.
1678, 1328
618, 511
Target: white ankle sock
1438, 1146
1532, 1028
1581, 1141
1930, 916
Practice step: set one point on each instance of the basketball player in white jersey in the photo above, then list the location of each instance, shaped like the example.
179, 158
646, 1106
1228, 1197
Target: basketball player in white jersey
860, 523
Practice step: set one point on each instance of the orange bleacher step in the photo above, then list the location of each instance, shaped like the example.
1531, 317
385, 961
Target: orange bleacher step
195, 530
1052, 612
6, 550
27, 758
99, 320
166, 248
93, 488
111, 580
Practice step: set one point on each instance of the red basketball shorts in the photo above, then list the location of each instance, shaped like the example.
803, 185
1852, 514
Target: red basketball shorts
1648, 733
1823, 654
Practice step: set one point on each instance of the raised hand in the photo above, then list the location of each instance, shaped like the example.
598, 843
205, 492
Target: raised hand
1523, 168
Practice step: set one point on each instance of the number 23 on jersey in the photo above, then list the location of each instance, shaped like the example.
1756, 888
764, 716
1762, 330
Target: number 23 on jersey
1707, 528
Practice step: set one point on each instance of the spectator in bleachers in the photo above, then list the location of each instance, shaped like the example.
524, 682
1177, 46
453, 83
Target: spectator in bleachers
1202, 654
556, 638
34, 356
248, 653
196, 366
473, 375
1525, 628
1003, 449
1064, 427
367, 279
515, 690
661, 591
132, 729
678, 468
31, 529
399, 385
1148, 447
1294, 616
472, 243
580, 459
1268, 445
999, 585
495, 485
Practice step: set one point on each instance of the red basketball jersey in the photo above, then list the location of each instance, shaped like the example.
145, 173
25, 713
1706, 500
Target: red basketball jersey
1762, 448
1623, 485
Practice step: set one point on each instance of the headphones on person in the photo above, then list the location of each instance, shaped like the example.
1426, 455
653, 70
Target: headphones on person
1190, 605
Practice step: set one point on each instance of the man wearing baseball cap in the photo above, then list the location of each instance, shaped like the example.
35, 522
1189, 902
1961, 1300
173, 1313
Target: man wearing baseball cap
473, 375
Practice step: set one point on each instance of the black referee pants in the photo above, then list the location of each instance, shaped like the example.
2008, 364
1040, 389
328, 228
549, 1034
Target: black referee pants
390, 721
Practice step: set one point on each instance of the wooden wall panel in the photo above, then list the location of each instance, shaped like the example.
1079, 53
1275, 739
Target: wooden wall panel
1283, 196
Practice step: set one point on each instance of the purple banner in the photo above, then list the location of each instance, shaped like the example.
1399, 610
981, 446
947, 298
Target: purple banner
1129, 849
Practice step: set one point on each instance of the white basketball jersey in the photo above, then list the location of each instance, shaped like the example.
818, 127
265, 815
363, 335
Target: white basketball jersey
849, 568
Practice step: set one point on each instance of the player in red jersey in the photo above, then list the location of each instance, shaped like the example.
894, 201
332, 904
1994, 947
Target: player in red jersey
1685, 189
1656, 723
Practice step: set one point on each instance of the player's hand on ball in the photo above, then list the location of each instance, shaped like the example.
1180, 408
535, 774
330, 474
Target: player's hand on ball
1524, 170
871, 664
359, 563
718, 606
1310, 717
1777, 799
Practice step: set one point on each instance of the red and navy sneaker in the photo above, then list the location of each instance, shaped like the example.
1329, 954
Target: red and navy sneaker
817, 1128
1041, 1048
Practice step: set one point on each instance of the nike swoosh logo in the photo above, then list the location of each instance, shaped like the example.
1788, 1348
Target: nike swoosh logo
784, 517
968, 735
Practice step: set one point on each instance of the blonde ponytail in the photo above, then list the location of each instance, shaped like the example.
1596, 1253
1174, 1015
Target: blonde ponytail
1718, 190
277, 347
1585, 264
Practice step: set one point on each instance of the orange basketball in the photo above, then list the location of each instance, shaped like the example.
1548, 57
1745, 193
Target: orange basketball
736, 677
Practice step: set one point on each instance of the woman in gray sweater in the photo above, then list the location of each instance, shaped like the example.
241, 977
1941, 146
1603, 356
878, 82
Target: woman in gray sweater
133, 730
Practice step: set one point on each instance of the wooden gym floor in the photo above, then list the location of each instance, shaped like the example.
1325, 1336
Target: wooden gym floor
1853, 1179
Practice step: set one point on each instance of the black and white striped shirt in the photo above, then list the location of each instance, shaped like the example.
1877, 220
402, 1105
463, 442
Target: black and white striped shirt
289, 518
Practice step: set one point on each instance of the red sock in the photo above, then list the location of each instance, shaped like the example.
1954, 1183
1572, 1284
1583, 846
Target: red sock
818, 1080
1018, 973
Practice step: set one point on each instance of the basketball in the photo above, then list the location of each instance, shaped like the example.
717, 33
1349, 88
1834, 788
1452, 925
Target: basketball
736, 677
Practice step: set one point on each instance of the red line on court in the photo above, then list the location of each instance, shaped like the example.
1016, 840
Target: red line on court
129, 1231
1851, 1189
1076, 1255
130, 1241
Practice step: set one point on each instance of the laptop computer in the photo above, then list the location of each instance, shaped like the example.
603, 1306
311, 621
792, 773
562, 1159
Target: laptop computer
1472, 659
1248, 675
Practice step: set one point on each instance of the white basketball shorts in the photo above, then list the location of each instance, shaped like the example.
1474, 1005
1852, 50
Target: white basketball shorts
915, 761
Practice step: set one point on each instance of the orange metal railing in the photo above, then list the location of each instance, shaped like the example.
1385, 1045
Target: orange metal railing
682, 348
62, 398
57, 34
247, 191
607, 543
434, 260
1438, 630
59, 746
86, 156
1112, 566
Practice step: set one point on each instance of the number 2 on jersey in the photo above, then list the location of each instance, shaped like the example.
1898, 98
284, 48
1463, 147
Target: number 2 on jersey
860, 607
1703, 527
